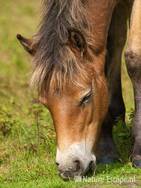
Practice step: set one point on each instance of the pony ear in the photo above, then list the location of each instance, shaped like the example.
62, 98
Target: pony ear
77, 41
28, 44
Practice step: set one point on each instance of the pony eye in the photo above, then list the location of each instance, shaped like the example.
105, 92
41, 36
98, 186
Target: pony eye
86, 99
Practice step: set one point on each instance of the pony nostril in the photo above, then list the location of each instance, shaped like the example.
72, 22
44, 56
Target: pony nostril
78, 165
91, 165
57, 163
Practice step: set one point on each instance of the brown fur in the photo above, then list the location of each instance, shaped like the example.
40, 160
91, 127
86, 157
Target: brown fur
133, 61
59, 67
71, 46
55, 62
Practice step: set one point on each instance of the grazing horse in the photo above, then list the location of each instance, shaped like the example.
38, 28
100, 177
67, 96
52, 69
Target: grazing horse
77, 71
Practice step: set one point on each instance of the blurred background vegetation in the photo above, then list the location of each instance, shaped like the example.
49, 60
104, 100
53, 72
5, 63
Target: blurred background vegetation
27, 138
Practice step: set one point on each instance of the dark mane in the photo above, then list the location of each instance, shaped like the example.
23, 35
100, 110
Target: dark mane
55, 63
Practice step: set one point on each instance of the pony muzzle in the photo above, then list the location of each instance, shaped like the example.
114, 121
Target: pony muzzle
76, 161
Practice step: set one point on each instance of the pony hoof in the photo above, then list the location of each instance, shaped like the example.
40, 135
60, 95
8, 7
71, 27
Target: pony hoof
136, 163
108, 160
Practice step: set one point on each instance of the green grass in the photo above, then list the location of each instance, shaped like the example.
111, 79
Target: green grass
27, 138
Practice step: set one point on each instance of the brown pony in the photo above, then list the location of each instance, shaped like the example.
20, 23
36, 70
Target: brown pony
77, 57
